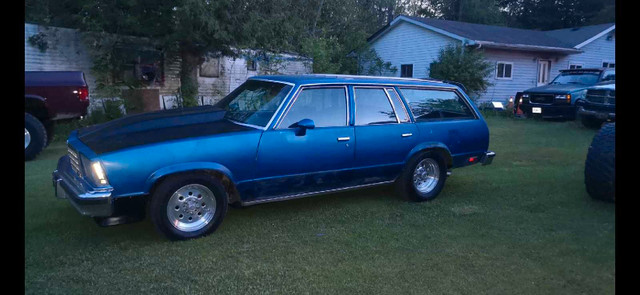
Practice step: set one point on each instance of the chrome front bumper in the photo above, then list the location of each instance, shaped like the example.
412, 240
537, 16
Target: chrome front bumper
597, 114
88, 201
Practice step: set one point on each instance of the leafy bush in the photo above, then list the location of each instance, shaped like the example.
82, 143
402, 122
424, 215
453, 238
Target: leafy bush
466, 66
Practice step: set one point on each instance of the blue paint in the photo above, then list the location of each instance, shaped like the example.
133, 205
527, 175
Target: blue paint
264, 162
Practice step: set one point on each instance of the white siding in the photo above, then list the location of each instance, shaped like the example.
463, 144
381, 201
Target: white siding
407, 43
410, 44
524, 74
592, 57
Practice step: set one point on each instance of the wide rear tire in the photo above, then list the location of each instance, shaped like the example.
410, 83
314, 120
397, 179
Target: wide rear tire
423, 177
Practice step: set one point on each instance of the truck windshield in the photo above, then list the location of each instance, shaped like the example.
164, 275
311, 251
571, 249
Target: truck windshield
254, 102
581, 78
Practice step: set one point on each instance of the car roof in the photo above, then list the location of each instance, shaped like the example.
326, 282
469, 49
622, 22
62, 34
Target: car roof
351, 79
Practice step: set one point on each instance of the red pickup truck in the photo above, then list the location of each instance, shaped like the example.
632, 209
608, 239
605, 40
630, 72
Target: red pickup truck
51, 96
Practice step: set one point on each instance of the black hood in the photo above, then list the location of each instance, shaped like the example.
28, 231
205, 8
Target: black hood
155, 127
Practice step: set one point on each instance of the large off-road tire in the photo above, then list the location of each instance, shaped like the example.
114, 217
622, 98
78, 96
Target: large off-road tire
35, 137
188, 206
423, 177
591, 122
600, 166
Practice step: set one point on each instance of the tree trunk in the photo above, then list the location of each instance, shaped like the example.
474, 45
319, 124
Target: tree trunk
189, 77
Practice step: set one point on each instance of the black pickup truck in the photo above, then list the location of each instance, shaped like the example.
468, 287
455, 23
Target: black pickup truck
51, 96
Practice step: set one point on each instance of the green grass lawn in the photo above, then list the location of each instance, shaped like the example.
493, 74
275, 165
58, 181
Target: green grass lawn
524, 224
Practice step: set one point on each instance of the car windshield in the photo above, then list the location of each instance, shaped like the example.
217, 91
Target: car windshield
254, 102
581, 78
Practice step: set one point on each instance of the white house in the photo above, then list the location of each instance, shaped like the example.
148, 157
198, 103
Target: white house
522, 58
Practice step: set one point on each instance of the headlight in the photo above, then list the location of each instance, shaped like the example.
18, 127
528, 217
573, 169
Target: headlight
98, 173
566, 97
94, 172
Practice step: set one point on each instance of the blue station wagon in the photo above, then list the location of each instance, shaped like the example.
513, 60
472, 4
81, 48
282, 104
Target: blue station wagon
273, 138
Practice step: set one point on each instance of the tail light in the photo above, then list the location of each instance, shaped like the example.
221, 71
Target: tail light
83, 93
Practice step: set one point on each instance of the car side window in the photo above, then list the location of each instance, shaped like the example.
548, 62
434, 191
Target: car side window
609, 76
429, 104
401, 111
373, 107
326, 106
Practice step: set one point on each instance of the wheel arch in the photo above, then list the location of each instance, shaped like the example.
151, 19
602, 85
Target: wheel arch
37, 106
214, 170
433, 146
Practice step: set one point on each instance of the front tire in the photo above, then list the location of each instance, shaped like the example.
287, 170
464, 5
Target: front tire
35, 137
423, 177
188, 206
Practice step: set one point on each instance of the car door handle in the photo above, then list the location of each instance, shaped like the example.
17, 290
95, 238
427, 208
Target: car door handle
406, 134
344, 138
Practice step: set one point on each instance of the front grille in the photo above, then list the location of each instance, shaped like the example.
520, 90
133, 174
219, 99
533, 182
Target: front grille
541, 98
75, 160
602, 96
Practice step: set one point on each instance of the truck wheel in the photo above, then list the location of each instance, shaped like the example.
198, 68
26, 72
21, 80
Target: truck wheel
35, 136
600, 168
423, 177
591, 122
188, 206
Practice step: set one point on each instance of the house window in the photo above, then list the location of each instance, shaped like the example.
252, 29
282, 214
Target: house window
138, 64
609, 64
210, 68
575, 66
406, 70
504, 70
251, 65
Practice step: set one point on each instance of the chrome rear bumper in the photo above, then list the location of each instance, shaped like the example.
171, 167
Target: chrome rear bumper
487, 158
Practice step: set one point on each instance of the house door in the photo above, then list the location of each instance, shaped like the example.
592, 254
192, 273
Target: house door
543, 72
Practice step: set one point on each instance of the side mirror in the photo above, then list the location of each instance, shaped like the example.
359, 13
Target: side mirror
302, 126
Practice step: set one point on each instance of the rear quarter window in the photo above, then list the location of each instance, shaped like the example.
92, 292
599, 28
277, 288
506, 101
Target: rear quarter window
431, 104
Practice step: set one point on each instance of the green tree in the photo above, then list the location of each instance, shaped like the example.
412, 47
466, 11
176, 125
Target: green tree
463, 65
554, 14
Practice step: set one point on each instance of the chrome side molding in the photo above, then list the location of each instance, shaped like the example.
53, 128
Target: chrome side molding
309, 194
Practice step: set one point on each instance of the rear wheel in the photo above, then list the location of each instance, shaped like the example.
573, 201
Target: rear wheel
35, 136
188, 206
423, 177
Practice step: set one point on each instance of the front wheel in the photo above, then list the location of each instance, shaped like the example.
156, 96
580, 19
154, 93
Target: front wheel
423, 177
188, 206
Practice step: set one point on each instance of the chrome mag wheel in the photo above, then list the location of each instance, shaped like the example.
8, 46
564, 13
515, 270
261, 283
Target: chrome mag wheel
27, 138
426, 175
191, 207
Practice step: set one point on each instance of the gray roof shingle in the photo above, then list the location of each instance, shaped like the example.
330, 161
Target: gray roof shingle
564, 38
575, 36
